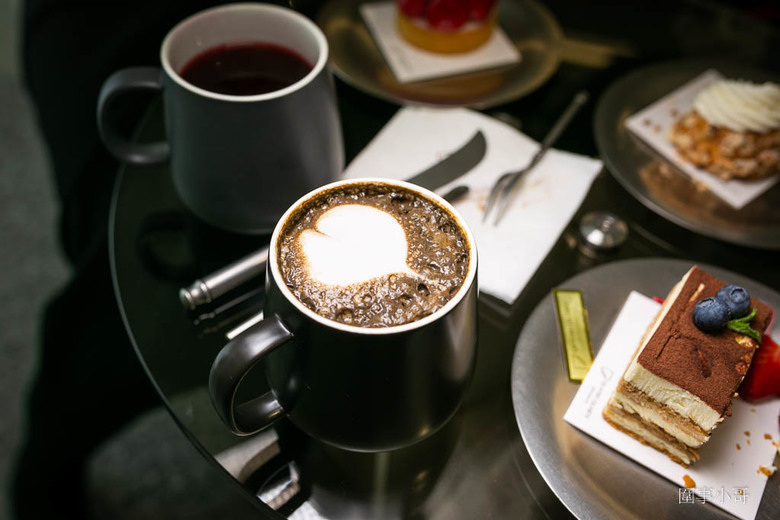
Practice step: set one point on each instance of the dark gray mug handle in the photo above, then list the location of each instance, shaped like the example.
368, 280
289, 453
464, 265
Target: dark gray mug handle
232, 363
120, 82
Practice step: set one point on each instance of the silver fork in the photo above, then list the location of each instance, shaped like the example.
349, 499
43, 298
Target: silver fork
499, 193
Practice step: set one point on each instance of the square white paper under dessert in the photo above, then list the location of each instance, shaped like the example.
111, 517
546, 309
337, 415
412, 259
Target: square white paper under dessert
409, 63
652, 125
723, 469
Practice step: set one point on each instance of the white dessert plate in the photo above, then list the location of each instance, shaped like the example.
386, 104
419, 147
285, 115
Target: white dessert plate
356, 59
656, 181
592, 480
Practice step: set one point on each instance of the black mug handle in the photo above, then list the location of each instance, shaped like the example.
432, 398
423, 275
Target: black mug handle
232, 363
120, 82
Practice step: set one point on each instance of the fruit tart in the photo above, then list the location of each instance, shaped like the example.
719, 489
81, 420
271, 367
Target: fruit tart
446, 26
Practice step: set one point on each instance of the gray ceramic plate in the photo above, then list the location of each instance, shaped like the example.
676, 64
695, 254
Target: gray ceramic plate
658, 184
592, 480
356, 59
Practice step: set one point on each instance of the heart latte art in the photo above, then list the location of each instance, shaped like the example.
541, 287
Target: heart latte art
354, 243
373, 255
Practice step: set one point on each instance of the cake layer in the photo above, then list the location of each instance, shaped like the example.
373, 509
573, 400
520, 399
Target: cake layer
637, 402
681, 402
633, 425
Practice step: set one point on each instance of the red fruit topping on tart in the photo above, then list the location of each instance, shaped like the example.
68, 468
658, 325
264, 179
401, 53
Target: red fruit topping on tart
447, 15
412, 7
763, 377
480, 9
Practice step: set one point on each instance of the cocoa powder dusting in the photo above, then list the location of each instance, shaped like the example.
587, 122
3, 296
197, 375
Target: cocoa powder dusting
679, 352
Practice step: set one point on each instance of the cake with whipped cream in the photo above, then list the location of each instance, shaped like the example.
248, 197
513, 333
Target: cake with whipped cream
679, 385
733, 130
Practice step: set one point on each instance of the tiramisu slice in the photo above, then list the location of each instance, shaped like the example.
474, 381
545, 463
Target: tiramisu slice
679, 385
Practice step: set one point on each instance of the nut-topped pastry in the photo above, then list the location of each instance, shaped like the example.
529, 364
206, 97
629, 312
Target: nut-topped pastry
733, 130
680, 383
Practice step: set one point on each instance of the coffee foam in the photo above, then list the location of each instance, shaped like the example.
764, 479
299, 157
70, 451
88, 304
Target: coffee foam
354, 243
438, 255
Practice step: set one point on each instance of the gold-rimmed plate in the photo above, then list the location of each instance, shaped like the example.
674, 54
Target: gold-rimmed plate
357, 60
655, 181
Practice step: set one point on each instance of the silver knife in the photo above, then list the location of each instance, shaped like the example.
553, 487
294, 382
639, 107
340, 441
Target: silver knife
454, 165
211, 287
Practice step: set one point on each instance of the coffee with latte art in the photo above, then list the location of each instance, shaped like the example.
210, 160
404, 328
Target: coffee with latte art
373, 255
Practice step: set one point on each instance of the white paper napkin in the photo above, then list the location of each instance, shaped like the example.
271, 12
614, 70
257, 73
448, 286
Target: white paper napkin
652, 125
728, 473
542, 204
409, 63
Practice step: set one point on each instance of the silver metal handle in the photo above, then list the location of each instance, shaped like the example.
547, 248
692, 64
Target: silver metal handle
211, 287
560, 125
555, 132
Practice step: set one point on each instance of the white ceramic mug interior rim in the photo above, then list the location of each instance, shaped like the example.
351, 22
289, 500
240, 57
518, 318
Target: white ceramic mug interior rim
182, 26
395, 329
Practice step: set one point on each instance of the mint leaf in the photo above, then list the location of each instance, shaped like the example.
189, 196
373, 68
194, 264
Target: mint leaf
742, 326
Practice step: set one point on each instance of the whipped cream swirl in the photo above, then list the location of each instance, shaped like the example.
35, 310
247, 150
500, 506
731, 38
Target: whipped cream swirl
740, 105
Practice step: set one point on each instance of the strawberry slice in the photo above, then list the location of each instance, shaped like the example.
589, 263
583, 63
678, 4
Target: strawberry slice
447, 15
480, 9
763, 377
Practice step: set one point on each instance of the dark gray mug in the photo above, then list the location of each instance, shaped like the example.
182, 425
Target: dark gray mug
238, 162
361, 389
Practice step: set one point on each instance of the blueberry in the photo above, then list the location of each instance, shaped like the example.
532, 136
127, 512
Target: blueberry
736, 299
711, 315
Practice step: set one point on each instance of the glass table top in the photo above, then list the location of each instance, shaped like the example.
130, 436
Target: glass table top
476, 467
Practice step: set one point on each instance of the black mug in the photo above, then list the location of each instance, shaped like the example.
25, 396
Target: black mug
238, 161
356, 388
